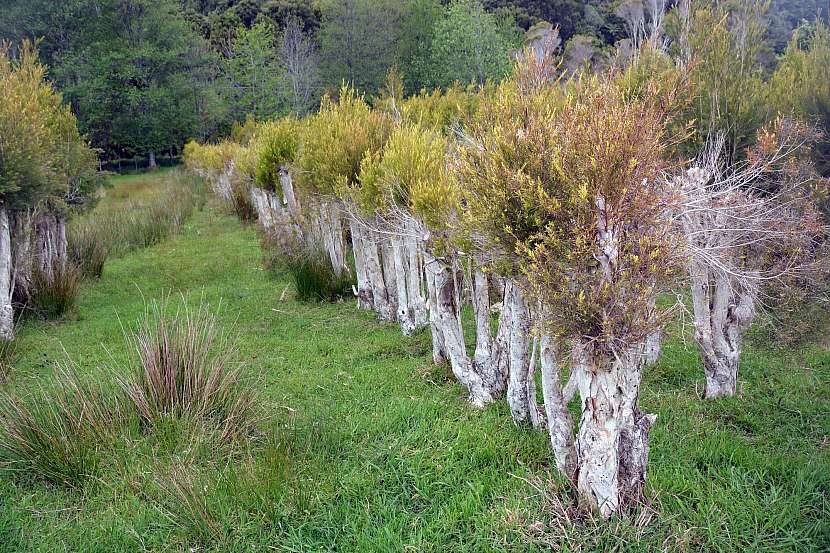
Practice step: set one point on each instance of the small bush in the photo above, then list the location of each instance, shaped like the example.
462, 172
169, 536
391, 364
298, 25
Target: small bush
185, 370
53, 293
87, 250
58, 434
313, 276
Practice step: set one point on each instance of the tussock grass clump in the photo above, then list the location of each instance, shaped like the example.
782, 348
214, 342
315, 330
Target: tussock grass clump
313, 276
185, 369
87, 250
54, 292
241, 203
58, 434
8, 357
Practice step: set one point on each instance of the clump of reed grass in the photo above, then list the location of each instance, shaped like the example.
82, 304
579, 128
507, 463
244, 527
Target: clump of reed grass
58, 434
185, 369
54, 290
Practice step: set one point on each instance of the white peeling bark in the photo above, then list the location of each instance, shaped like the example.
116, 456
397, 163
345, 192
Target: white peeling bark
404, 312
262, 208
415, 276
6, 310
612, 441
364, 293
559, 422
723, 313
374, 271
518, 386
447, 319
439, 350
387, 258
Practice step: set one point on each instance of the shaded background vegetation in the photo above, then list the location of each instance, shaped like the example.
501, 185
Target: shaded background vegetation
146, 75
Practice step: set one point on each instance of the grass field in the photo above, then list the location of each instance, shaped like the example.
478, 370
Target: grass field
368, 447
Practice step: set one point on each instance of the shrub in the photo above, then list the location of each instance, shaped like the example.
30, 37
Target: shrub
313, 276
58, 434
185, 370
87, 250
53, 293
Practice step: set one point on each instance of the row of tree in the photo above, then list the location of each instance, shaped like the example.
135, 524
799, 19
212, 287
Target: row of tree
47, 171
572, 199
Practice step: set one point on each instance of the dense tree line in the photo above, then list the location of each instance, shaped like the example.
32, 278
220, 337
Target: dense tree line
143, 76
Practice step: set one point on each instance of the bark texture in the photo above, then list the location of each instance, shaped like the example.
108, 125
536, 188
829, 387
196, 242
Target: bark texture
723, 313
523, 407
6, 310
612, 441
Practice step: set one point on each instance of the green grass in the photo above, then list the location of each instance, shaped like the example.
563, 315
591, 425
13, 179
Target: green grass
368, 447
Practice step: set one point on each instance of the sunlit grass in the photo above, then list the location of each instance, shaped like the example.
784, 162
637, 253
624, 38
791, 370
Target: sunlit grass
369, 447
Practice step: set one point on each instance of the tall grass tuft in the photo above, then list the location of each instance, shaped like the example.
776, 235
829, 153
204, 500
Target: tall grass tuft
313, 276
8, 357
185, 370
53, 293
58, 434
241, 202
86, 249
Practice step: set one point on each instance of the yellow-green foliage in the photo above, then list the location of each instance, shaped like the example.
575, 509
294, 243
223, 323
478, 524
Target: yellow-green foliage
801, 86
210, 158
274, 144
335, 141
245, 132
42, 155
440, 111
541, 169
412, 173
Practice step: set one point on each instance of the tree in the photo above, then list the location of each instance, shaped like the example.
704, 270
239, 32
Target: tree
254, 74
134, 71
299, 58
44, 164
469, 45
565, 191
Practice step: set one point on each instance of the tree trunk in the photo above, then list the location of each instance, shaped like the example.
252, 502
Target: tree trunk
447, 312
387, 258
405, 313
723, 312
415, 276
518, 383
262, 208
151, 164
612, 441
22, 240
559, 422
374, 268
439, 350
6, 310
365, 299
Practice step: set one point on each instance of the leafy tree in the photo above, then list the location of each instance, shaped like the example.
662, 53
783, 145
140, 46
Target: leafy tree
254, 74
469, 45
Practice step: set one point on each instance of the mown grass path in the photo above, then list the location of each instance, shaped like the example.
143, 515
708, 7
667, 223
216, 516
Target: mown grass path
368, 447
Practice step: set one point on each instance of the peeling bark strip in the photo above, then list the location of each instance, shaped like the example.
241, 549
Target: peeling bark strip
6, 311
451, 331
22, 229
439, 349
365, 297
519, 386
612, 441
